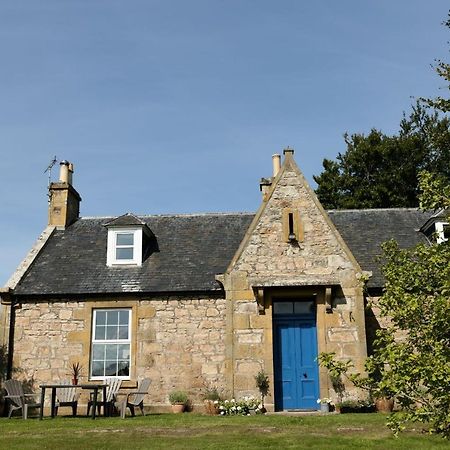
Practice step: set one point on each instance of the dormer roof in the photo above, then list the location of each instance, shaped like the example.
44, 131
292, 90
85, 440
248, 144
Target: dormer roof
128, 220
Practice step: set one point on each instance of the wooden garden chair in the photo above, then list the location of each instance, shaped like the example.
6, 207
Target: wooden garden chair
67, 397
18, 399
133, 399
113, 386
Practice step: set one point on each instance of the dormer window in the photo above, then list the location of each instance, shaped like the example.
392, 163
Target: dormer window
442, 232
124, 246
126, 240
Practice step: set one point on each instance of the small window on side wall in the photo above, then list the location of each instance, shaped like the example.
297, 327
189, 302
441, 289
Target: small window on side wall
111, 344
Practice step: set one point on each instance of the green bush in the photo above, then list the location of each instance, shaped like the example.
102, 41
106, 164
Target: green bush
178, 397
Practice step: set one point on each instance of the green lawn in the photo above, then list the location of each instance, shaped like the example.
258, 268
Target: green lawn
344, 431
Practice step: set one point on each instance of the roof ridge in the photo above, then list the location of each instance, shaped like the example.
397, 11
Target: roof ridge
373, 209
242, 213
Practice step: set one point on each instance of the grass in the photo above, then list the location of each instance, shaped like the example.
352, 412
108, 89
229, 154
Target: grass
344, 431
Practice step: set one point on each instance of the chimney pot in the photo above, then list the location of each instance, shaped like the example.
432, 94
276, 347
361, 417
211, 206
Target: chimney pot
276, 161
64, 171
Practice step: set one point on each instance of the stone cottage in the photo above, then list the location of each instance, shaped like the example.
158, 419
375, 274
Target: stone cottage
203, 299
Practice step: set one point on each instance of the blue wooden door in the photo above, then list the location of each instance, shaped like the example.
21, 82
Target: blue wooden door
296, 370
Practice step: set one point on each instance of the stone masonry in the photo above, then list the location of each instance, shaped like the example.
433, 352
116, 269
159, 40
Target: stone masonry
176, 341
300, 269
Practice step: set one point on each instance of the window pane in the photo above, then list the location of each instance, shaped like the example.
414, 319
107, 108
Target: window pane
124, 351
98, 352
123, 369
124, 253
111, 352
123, 332
125, 239
283, 307
123, 317
100, 332
110, 368
304, 307
111, 332
113, 317
97, 369
100, 317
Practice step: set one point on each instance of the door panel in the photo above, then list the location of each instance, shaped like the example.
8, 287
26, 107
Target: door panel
296, 371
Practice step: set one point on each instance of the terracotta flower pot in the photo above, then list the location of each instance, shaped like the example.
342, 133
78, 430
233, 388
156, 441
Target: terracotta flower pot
384, 405
178, 408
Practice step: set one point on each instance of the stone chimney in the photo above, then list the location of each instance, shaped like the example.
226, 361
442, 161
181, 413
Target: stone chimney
64, 200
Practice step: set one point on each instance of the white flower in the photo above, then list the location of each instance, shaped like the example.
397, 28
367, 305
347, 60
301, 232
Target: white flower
239, 408
216, 402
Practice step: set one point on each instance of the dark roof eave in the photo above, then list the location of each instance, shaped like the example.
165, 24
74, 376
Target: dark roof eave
89, 295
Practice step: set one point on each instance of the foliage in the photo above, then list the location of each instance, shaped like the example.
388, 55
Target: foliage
324, 401
336, 369
178, 397
357, 406
435, 191
76, 369
240, 407
413, 353
443, 70
381, 171
212, 393
263, 384
3, 363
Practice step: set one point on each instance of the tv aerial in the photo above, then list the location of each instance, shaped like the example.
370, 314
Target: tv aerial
49, 169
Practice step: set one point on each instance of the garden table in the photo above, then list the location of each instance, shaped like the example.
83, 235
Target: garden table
92, 387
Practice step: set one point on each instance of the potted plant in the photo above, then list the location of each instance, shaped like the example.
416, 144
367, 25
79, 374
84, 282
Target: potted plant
75, 371
178, 400
262, 383
324, 404
211, 399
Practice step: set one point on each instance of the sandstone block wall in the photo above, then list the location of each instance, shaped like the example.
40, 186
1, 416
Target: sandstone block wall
176, 341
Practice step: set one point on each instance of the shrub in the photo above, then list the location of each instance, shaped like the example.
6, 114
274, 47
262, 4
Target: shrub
178, 397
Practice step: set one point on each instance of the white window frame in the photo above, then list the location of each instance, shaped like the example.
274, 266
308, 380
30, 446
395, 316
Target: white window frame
440, 227
111, 259
109, 341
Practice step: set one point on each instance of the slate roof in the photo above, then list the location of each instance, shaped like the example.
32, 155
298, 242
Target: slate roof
364, 231
192, 250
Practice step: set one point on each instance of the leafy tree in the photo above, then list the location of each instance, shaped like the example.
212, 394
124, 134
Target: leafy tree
443, 70
411, 357
380, 171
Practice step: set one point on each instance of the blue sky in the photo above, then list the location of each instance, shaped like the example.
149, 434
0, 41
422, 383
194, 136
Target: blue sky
177, 106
